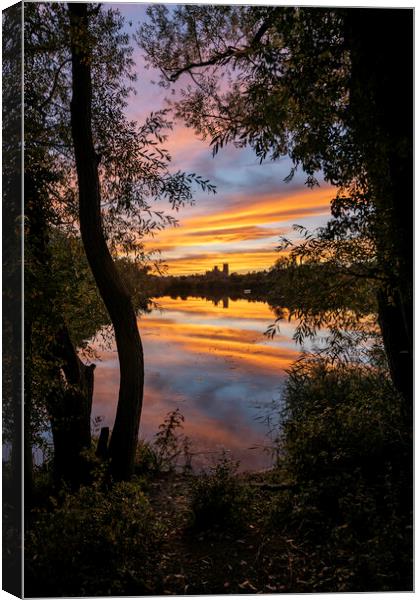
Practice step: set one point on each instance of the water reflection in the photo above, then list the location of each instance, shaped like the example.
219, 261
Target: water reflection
212, 361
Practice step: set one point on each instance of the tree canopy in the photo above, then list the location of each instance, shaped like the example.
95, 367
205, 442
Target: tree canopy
326, 87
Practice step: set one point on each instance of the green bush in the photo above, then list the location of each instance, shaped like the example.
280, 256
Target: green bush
347, 453
218, 498
96, 542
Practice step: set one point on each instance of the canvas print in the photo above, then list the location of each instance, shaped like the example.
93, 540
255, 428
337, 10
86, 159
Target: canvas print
208, 234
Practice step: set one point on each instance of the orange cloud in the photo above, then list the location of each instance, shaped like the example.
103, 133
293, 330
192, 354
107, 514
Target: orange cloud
184, 237
232, 234
266, 210
242, 221
239, 262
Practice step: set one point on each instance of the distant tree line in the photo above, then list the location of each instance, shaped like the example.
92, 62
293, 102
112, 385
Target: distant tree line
258, 282
285, 284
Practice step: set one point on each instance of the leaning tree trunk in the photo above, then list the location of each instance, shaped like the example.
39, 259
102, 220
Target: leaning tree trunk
114, 294
381, 104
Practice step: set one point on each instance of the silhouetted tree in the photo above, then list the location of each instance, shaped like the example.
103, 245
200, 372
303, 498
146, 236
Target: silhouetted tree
133, 170
108, 280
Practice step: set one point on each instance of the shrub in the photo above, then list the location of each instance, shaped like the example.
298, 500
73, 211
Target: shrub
168, 447
96, 542
347, 452
146, 461
218, 498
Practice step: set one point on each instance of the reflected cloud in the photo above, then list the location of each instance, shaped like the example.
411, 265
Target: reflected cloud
231, 344
213, 363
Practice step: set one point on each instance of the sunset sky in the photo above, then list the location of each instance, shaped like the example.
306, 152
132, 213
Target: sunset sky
240, 224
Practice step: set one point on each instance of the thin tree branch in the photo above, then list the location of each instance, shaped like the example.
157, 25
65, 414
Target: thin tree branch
222, 57
55, 83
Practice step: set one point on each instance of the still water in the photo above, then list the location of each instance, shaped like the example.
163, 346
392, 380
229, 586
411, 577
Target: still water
212, 361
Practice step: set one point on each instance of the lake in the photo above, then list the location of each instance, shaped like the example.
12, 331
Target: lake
211, 360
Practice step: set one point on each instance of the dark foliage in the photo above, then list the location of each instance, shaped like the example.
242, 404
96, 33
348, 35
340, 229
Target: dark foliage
349, 461
218, 498
97, 542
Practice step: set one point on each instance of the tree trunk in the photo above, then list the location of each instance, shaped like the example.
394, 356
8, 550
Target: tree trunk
396, 348
70, 406
102, 447
114, 294
381, 106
